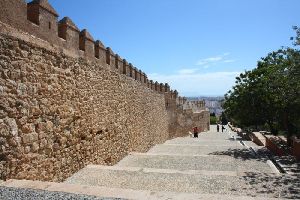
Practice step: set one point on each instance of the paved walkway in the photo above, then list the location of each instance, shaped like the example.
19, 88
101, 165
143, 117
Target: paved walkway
213, 166
214, 163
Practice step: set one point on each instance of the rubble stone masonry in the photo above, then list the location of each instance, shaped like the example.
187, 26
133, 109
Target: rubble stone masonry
68, 102
59, 114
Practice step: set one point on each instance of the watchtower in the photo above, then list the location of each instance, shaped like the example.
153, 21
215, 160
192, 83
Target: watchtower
41, 13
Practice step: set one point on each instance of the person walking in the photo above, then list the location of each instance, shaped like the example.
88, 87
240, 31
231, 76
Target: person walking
195, 131
218, 127
223, 128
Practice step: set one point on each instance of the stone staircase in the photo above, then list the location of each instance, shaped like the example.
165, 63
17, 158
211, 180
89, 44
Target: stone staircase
213, 166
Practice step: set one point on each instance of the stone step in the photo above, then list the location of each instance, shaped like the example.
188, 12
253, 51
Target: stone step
212, 135
190, 162
189, 181
197, 149
201, 141
36, 190
288, 163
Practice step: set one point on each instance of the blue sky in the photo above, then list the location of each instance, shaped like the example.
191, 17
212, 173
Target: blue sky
197, 46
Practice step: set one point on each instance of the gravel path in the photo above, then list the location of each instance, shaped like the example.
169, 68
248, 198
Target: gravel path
7, 193
139, 180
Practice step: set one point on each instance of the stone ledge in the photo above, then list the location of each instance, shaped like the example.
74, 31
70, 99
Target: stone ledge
166, 171
118, 192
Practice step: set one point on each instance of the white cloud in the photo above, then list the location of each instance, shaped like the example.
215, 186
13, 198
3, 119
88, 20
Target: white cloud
187, 71
229, 61
187, 84
207, 62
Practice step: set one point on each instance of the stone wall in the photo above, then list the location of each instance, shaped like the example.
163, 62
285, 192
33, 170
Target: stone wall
67, 101
58, 114
182, 120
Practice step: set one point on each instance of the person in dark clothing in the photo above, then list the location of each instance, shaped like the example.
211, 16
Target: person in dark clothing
223, 128
195, 130
218, 127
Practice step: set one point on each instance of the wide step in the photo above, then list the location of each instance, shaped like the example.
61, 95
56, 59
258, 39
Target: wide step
207, 162
36, 190
158, 180
201, 182
177, 149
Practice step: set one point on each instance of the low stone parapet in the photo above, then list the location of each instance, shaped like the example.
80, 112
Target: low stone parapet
296, 147
277, 145
258, 138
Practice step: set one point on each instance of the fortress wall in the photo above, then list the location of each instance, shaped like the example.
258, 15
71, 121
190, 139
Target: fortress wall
38, 18
59, 113
67, 101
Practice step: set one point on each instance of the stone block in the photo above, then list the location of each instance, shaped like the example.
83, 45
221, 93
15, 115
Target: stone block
30, 138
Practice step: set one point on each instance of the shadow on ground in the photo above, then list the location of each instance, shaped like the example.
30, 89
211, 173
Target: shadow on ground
264, 184
243, 154
274, 185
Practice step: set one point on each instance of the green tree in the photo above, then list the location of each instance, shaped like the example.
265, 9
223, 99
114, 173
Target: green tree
268, 94
223, 118
213, 119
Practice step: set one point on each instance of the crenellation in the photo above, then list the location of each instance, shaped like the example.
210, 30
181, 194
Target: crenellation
141, 78
41, 13
171, 94
33, 13
113, 61
151, 85
125, 68
136, 73
175, 94
167, 87
161, 88
100, 52
68, 31
40, 18
120, 64
128, 69
87, 43
108, 55
156, 86
145, 81
131, 72
117, 58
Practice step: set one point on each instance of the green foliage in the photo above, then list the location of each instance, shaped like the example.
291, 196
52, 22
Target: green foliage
213, 119
268, 94
297, 38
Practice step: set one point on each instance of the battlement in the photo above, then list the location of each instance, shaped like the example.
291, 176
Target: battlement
40, 19
196, 106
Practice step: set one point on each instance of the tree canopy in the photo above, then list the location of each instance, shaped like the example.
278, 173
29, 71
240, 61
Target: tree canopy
268, 96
